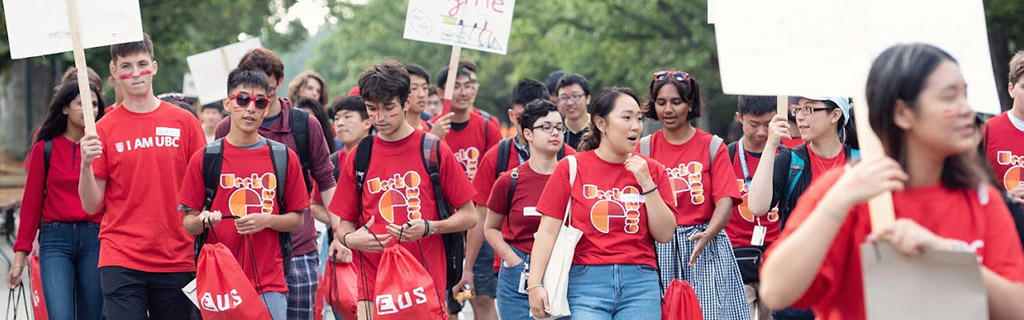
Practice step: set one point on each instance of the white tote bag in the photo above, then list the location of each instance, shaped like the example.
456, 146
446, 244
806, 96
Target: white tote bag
556, 277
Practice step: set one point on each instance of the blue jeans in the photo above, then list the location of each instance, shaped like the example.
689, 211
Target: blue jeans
614, 292
68, 255
277, 304
512, 305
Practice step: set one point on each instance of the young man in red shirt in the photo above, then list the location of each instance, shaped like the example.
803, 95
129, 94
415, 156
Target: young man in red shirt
316, 167
132, 167
419, 81
751, 234
1003, 136
247, 192
384, 211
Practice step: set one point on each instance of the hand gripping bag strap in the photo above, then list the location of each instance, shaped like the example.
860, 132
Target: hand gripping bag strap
223, 290
279, 158
556, 275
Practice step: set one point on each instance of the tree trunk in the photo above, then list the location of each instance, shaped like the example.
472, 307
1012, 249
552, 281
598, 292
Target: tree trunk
25, 92
1000, 51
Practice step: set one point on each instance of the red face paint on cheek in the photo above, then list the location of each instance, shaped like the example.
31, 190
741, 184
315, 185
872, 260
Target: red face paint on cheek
145, 72
392, 116
126, 76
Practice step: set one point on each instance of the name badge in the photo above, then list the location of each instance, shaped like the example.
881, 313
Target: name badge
165, 131
632, 197
757, 239
530, 212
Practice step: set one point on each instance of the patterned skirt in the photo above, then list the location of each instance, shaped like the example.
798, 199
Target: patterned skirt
715, 276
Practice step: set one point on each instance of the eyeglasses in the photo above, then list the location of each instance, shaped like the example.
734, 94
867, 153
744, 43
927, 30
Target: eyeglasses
549, 128
678, 75
805, 110
573, 97
243, 100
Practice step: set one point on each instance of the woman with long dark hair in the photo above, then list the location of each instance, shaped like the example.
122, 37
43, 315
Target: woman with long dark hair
619, 200
69, 244
918, 107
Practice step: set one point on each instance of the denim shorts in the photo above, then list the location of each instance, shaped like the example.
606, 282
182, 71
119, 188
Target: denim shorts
485, 282
614, 292
511, 303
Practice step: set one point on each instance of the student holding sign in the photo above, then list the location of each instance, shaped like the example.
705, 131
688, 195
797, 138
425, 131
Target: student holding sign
1003, 135
704, 190
133, 168
918, 106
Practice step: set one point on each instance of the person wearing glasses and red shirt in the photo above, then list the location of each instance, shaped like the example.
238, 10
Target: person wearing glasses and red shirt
704, 190
132, 168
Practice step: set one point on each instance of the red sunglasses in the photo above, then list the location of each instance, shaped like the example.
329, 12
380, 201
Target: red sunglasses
678, 75
243, 100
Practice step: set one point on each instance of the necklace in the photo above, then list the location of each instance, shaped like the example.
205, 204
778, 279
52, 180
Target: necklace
822, 163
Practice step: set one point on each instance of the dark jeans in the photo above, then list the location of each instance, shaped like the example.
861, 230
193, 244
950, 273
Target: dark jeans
793, 314
68, 254
131, 294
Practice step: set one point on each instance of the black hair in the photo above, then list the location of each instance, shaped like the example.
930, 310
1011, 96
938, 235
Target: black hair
899, 74
416, 70
321, 116
442, 75
181, 104
249, 78
56, 122
552, 81
527, 90
384, 82
534, 110
219, 105
756, 105
601, 106
689, 90
571, 79
350, 103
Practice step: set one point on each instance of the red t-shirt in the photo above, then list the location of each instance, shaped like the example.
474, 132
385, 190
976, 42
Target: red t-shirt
247, 185
607, 207
144, 159
741, 226
470, 143
484, 180
315, 194
690, 172
397, 190
792, 143
819, 166
522, 219
1005, 151
61, 201
837, 291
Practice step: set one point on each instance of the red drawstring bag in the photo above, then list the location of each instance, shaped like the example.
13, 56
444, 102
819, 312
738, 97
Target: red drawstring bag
222, 288
318, 300
404, 289
341, 282
680, 302
38, 303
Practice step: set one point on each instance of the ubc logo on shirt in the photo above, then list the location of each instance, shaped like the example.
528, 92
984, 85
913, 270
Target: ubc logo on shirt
401, 195
223, 301
687, 178
772, 215
469, 159
386, 303
1013, 176
251, 195
619, 204
164, 137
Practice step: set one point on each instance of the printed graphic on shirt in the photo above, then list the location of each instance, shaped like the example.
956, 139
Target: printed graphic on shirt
251, 195
687, 178
614, 204
469, 158
164, 137
389, 304
1013, 176
401, 195
772, 215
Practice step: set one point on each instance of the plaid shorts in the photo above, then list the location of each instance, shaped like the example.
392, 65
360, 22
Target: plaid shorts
715, 277
302, 284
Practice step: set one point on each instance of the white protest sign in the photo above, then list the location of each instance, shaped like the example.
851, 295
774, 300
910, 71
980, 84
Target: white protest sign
40, 27
479, 25
802, 47
188, 86
711, 11
210, 69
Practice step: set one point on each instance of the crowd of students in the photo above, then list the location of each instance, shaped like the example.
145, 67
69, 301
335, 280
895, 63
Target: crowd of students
766, 227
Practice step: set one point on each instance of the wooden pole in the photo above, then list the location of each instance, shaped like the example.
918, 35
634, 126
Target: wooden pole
782, 105
83, 74
453, 71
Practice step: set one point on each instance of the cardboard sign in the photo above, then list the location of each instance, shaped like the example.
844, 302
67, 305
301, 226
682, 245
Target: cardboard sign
479, 25
40, 27
210, 69
804, 47
898, 287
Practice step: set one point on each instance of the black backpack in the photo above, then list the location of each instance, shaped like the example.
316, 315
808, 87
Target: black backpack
213, 157
299, 123
454, 243
504, 147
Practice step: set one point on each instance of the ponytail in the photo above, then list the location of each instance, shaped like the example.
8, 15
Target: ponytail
601, 106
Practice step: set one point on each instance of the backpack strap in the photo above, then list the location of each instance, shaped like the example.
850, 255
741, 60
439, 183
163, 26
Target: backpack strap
511, 193
362, 163
645, 146
336, 161
487, 121
47, 152
854, 154
731, 148
430, 145
299, 122
504, 147
279, 158
213, 158
796, 170
716, 143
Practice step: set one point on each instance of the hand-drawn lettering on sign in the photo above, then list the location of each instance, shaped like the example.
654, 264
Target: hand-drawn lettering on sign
479, 24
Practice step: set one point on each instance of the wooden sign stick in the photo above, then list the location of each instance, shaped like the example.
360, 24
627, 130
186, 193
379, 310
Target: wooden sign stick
453, 71
83, 74
782, 105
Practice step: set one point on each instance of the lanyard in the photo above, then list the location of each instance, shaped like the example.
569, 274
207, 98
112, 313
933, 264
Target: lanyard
522, 153
743, 163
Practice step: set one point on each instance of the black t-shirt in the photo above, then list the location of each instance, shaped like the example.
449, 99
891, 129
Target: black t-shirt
573, 138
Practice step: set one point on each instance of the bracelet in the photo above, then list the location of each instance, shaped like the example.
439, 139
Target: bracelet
528, 288
649, 191
426, 228
344, 237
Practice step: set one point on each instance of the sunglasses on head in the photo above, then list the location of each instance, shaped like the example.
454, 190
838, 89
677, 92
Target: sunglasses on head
243, 100
678, 75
